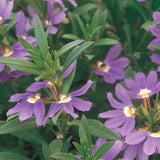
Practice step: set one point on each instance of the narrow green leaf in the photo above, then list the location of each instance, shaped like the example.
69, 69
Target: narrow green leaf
85, 8
20, 65
16, 125
95, 21
155, 46
11, 156
100, 130
67, 82
30, 135
81, 24
76, 53
106, 42
27, 45
70, 36
55, 118
66, 145
6, 27
46, 151
68, 46
55, 146
40, 35
102, 150
64, 156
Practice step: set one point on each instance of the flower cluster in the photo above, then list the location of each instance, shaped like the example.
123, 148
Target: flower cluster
137, 140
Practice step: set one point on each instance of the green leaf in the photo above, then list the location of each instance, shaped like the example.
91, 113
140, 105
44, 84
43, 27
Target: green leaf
66, 144
147, 24
11, 156
16, 125
55, 118
67, 82
155, 46
70, 36
20, 65
68, 46
30, 135
76, 53
46, 151
100, 130
106, 42
55, 146
81, 24
102, 150
6, 27
40, 35
29, 48
85, 8
64, 156
136, 5
130, 73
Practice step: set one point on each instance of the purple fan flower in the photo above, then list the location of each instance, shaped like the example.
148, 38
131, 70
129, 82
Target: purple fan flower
142, 86
123, 116
68, 101
73, 2
5, 10
133, 151
22, 26
155, 30
53, 16
17, 51
34, 87
28, 104
156, 59
112, 69
150, 141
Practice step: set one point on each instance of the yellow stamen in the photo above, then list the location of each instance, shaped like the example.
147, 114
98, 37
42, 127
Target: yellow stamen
144, 93
33, 99
129, 111
7, 52
102, 66
156, 134
1, 19
66, 21
64, 98
47, 22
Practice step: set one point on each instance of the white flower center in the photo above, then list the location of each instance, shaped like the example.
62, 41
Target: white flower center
33, 99
144, 93
64, 99
156, 134
1, 19
129, 111
7, 52
47, 22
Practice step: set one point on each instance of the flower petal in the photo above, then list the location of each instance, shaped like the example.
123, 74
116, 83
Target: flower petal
114, 103
82, 90
17, 97
39, 112
136, 137
80, 104
111, 114
113, 151
69, 109
122, 94
141, 80
26, 112
149, 146
152, 79
113, 53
